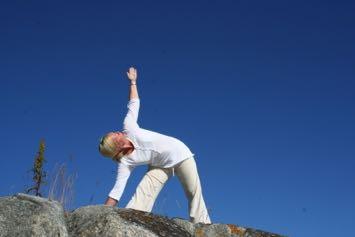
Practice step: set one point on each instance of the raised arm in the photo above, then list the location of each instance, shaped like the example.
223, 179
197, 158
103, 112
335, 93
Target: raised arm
130, 121
132, 76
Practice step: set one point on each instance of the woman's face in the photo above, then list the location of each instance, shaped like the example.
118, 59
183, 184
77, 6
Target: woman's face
116, 136
118, 139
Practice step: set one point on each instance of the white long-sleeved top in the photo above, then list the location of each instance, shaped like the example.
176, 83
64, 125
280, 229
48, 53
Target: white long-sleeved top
149, 148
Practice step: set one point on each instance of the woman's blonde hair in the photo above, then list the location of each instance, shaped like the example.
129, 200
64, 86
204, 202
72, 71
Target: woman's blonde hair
107, 146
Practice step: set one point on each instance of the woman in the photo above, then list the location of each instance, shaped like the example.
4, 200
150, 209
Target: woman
165, 156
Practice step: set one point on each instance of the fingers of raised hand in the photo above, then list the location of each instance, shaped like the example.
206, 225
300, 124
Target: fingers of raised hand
132, 73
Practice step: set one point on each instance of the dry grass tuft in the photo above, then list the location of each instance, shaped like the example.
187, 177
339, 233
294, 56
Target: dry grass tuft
61, 187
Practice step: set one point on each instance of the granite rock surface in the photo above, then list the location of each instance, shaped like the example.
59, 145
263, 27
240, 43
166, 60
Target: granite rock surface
26, 215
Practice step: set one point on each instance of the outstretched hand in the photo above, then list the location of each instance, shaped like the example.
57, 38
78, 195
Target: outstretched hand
132, 74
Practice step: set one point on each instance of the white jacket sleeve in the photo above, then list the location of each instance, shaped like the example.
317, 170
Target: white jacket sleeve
123, 173
130, 121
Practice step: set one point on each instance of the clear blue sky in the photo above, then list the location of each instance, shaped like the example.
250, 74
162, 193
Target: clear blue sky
261, 91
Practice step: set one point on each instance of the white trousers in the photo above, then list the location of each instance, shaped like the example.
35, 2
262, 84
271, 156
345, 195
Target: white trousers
154, 180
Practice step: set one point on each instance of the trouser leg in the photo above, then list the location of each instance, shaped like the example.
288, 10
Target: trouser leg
188, 176
148, 189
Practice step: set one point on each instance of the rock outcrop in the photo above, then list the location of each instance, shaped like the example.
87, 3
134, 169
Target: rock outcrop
112, 221
26, 215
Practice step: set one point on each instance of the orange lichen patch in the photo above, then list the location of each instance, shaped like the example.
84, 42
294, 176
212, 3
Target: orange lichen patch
159, 225
236, 229
199, 232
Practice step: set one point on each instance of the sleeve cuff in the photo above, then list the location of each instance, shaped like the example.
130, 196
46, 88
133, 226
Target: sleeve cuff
114, 197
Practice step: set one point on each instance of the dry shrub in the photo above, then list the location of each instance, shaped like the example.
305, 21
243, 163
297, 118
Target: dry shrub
38, 173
